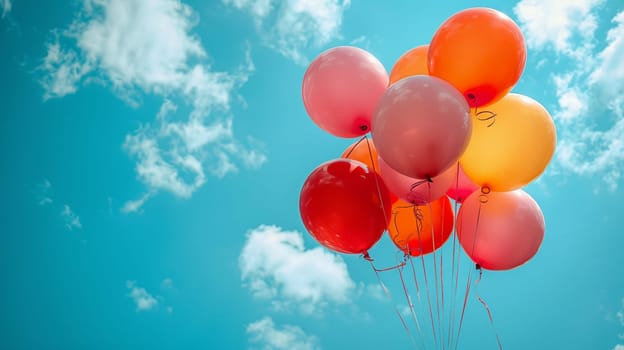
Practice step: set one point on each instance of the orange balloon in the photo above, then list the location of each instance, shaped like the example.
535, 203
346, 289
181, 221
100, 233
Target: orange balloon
363, 150
421, 229
413, 62
481, 51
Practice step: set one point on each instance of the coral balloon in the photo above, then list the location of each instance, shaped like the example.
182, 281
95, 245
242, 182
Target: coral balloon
413, 62
480, 51
345, 206
341, 88
462, 186
416, 191
512, 142
500, 230
420, 230
421, 126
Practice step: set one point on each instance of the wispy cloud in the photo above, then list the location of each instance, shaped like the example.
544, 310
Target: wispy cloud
158, 55
43, 192
133, 206
292, 27
276, 266
590, 106
144, 301
167, 283
72, 220
6, 7
265, 335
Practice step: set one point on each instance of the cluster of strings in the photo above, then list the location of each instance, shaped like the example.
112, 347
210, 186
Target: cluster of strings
435, 288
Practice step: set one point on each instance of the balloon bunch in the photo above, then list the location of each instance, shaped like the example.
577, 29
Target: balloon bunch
443, 124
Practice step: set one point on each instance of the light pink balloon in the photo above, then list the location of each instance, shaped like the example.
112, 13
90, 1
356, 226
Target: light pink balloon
462, 186
500, 230
416, 191
341, 88
421, 126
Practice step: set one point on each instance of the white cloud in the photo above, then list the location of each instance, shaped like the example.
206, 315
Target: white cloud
619, 347
559, 24
608, 76
590, 106
147, 47
144, 43
275, 266
267, 336
65, 70
290, 27
71, 219
144, 301
6, 7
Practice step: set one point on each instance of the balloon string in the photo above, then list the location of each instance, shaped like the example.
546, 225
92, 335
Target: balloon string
482, 200
387, 292
418, 216
370, 155
455, 264
487, 308
461, 318
355, 146
410, 304
435, 264
396, 228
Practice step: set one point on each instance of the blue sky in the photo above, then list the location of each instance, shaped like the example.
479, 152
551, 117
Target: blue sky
152, 157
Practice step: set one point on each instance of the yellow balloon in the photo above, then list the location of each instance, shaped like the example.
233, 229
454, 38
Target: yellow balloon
512, 142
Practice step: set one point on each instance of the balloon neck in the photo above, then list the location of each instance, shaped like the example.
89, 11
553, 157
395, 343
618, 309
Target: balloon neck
477, 267
366, 256
483, 197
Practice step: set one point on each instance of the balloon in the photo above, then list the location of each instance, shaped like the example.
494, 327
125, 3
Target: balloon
364, 151
421, 126
480, 51
416, 191
420, 230
500, 230
413, 62
345, 206
341, 88
512, 143
462, 186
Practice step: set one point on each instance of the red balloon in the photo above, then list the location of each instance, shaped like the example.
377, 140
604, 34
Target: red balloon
345, 206
500, 230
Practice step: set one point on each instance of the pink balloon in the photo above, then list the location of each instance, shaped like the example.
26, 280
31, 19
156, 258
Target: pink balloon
500, 230
462, 186
421, 126
341, 88
416, 191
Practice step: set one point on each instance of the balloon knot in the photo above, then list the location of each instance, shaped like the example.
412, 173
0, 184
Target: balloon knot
367, 257
364, 127
478, 267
